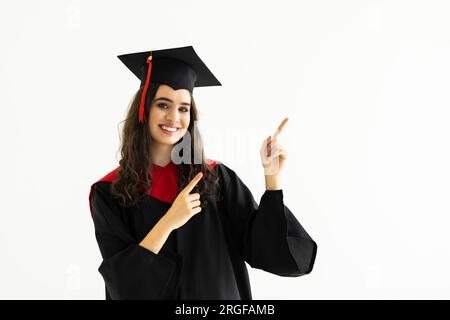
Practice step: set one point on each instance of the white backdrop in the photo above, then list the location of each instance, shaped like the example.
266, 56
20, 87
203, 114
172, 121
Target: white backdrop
364, 83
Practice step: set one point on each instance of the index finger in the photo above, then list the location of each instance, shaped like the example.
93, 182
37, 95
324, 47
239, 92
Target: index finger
280, 127
193, 182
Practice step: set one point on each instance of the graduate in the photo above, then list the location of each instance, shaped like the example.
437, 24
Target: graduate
171, 224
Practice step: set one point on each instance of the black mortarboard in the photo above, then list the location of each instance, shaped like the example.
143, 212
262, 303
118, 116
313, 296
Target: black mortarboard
179, 68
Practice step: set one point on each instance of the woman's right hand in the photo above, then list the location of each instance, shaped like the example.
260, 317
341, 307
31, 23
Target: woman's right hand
185, 205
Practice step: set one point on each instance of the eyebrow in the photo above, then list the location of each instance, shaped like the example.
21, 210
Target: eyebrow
167, 99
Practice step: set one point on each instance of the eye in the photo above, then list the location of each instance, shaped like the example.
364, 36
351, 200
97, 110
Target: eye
184, 109
161, 105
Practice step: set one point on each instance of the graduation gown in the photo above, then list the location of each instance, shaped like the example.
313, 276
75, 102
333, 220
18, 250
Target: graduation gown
205, 258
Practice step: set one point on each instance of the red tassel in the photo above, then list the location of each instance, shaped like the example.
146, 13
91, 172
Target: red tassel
144, 92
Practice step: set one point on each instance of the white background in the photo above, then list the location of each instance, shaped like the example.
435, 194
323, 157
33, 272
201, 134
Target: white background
364, 83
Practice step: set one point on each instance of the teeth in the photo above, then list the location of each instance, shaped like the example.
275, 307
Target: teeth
169, 129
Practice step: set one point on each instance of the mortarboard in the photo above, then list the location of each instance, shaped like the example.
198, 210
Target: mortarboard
180, 68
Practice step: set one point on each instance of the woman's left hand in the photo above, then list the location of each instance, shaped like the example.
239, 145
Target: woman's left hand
273, 154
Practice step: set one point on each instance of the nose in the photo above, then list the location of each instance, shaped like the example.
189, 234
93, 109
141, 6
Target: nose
172, 115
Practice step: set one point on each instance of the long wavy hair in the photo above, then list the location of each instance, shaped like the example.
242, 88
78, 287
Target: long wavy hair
134, 175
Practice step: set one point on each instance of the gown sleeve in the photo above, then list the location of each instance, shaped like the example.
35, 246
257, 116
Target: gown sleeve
129, 270
268, 236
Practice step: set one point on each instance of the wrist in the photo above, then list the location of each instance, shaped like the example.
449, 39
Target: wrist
166, 224
272, 182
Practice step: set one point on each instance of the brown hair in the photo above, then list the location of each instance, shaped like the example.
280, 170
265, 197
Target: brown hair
136, 158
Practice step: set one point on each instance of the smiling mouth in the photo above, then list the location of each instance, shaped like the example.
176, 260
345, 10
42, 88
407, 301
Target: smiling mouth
168, 130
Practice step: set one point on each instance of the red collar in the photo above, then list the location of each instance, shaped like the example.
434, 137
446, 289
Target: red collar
164, 181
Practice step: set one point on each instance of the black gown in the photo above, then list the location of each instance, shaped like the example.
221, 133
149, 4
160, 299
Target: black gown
205, 258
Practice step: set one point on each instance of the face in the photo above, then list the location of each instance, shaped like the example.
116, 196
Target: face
169, 115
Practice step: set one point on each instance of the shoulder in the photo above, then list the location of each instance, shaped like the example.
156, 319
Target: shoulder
102, 189
226, 175
219, 167
100, 197
104, 183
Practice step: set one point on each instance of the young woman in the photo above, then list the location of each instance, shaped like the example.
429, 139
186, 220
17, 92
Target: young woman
171, 224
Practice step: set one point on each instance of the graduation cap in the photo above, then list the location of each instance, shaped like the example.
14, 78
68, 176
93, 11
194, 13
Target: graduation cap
180, 68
